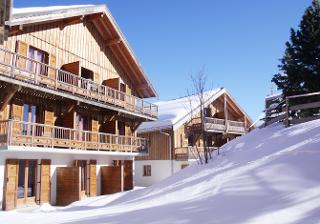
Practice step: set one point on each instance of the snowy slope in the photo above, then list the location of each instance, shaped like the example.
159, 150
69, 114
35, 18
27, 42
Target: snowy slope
271, 175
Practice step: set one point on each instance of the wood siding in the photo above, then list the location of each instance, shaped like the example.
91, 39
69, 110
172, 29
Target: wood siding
158, 145
66, 44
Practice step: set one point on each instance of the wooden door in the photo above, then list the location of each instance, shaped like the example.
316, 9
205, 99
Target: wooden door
128, 175
45, 181
92, 178
68, 185
11, 184
110, 179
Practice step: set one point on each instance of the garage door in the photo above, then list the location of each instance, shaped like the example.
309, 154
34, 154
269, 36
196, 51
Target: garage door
110, 179
68, 185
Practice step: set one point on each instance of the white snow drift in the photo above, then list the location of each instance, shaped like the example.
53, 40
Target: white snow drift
271, 175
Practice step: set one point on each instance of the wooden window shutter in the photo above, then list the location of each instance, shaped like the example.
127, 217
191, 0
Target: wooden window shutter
17, 114
95, 128
92, 178
45, 181
11, 184
48, 120
52, 63
22, 49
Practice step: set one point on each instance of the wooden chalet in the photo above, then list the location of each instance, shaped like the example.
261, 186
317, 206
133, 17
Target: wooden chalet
71, 98
175, 138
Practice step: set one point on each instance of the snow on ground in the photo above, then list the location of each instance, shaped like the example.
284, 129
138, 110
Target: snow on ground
268, 176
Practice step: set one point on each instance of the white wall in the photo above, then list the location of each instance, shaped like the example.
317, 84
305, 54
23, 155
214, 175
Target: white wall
160, 169
57, 160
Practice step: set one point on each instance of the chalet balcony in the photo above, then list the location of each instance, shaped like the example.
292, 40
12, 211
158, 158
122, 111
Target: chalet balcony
190, 153
219, 125
19, 133
41, 75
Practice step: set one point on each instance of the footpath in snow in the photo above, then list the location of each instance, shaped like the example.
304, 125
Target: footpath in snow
271, 175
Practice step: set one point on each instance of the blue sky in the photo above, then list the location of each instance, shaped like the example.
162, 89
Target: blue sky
239, 43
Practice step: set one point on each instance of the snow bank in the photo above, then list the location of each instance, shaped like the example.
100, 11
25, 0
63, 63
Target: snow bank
268, 176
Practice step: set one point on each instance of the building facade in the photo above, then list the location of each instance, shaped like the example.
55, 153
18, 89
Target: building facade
176, 138
71, 98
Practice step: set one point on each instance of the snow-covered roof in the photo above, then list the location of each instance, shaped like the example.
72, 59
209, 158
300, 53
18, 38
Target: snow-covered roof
274, 95
174, 113
39, 14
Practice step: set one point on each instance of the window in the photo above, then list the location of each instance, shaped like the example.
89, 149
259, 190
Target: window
37, 55
181, 140
32, 114
147, 170
207, 112
83, 174
27, 172
190, 140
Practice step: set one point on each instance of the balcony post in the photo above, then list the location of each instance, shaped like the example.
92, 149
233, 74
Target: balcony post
225, 112
9, 132
142, 104
35, 73
98, 141
245, 124
56, 78
33, 133
85, 141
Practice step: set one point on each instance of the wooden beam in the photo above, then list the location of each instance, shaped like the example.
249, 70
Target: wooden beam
113, 42
8, 95
110, 117
71, 107
142, 87
134, 125
225, 109
94, 16
305, 106
70, 21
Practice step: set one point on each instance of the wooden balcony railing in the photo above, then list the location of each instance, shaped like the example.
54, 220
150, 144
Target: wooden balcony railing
19, 133
190, 153
28, 70
219, 125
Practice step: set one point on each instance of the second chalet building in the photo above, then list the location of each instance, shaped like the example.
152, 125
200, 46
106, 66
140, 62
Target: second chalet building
175, 138
71, 99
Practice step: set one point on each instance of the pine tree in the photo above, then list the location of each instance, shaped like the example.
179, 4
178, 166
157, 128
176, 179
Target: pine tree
300, 65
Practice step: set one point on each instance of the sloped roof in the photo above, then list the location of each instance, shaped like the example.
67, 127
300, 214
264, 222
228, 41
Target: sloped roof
174, 113
111, 33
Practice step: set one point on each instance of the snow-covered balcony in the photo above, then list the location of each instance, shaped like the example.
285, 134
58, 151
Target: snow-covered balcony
19, 133
29, 73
